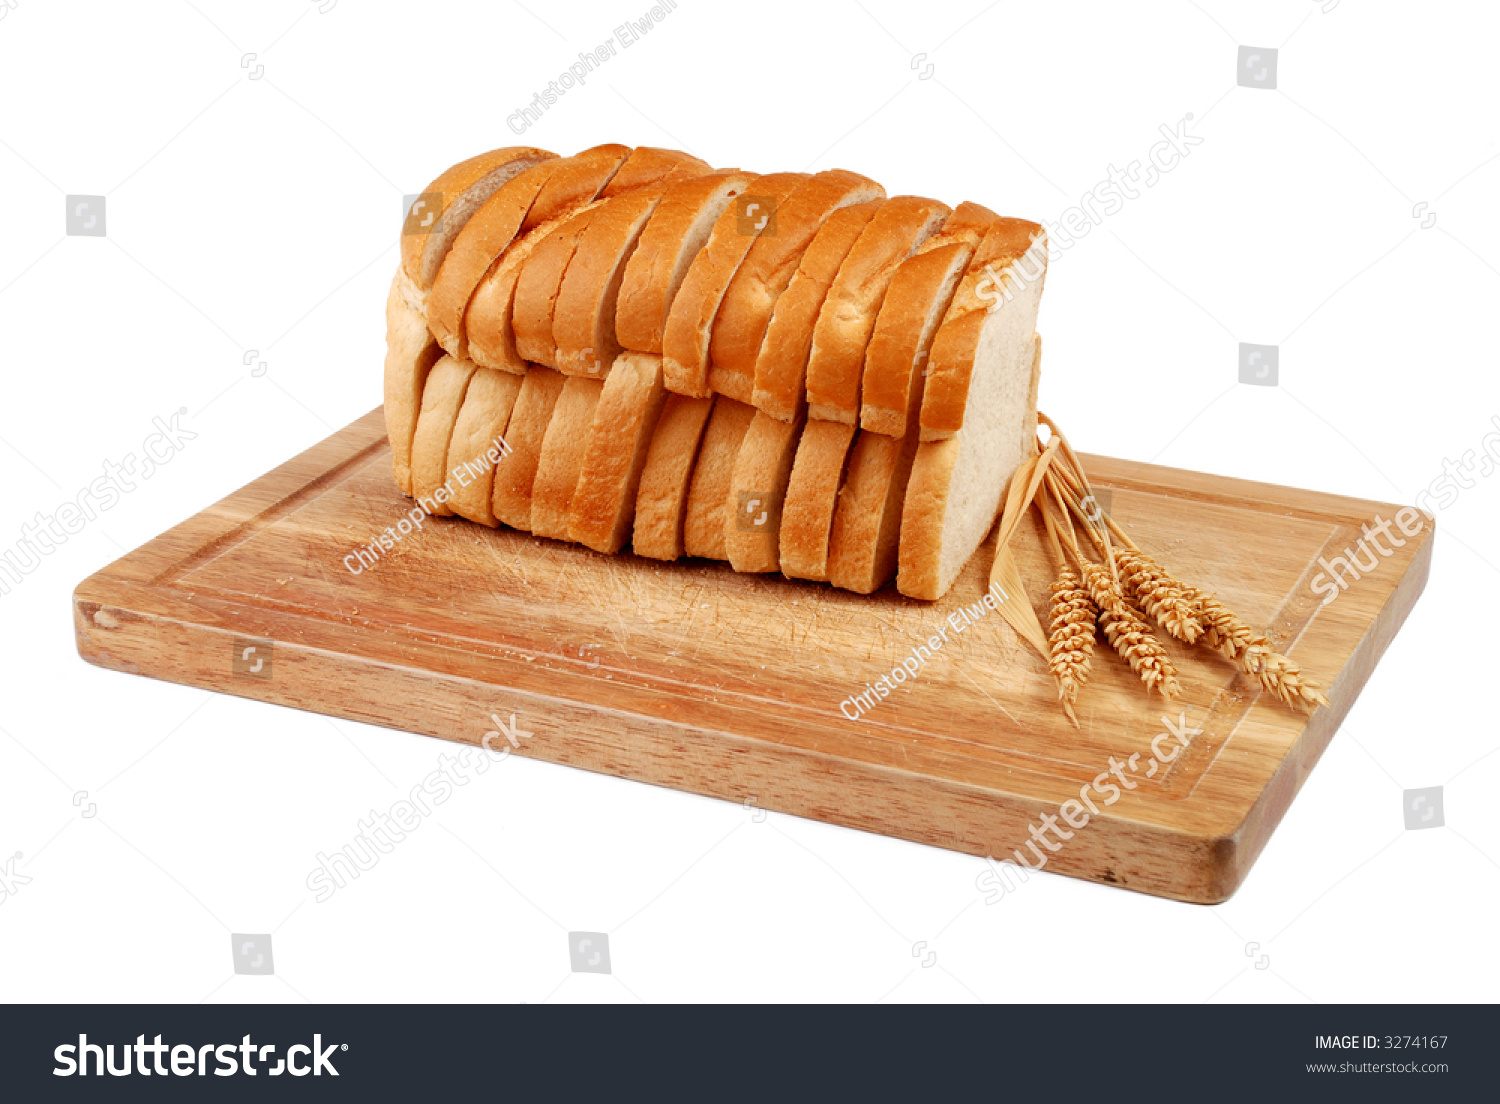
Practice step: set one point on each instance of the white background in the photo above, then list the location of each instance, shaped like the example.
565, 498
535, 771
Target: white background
263, 215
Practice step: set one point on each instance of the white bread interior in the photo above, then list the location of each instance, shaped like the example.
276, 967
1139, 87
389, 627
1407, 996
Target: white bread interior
995, 307
958, 484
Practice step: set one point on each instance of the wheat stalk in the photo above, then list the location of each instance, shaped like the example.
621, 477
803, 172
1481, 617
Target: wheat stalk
1129, 634
1072, 640
1159, 595
1191, 615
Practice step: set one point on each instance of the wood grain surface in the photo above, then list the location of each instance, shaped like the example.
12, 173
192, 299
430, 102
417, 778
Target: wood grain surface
691, 676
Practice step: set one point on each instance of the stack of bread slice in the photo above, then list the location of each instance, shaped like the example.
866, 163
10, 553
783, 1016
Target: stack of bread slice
790, 372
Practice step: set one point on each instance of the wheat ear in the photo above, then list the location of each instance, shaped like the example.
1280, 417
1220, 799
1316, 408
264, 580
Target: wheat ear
1222, 629
1072, 639
1255, 655
1159, 595
1127, 632
1217, 626
1280, 675
1074, 617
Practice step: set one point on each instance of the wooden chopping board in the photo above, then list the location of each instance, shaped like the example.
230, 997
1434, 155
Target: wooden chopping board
691, 676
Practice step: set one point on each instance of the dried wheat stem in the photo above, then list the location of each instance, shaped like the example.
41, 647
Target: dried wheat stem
1072, 638
1127, 632
1159, 595
1096, 532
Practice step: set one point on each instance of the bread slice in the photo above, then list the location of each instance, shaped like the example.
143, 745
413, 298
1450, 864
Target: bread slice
490, 322
605, 251
426, 236
811, 495
781, 364
442, 396
448, 202
550, 187
678, 228
562, 457
410, 353
918, 298
487, 235
648, 165
624, 422
988, 326
685, 340
757, 491
661, 501
767, 269
958, 484
537, 286
583, 318
836, 361
516, 475
478, 443
863, 545
582, 180
709, 510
